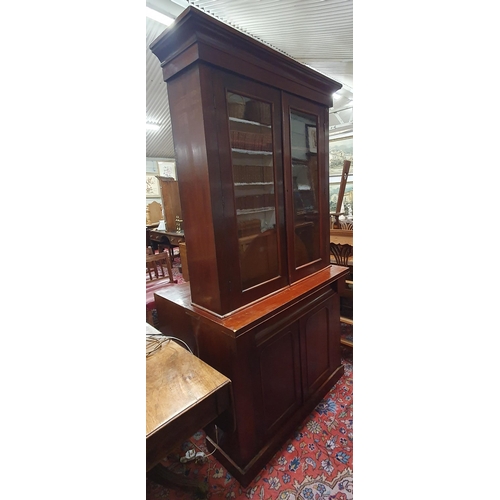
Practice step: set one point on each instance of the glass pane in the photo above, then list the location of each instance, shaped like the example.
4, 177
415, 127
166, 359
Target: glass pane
251, 138
305, 187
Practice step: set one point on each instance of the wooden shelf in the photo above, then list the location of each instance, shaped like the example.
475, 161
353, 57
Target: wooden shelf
254, 183
241, 120
251, 151
245, 211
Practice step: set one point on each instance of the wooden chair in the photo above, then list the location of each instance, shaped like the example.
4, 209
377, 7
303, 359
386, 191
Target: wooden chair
150, 266
346, 225
156, 263
153, 213
342, 255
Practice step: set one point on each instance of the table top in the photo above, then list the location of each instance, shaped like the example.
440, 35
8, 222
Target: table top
341, 236
183, 394
168, 233
247, 317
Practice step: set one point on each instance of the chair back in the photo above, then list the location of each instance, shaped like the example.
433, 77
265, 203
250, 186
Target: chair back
342, 253
346, 225
155, 264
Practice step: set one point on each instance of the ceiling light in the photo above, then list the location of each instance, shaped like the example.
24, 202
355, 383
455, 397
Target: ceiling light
157, 16
152, 126
336, 96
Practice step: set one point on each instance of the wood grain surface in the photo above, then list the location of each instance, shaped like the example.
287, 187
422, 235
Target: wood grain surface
183, 394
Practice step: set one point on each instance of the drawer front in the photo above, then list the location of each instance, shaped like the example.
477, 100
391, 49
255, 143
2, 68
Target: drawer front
177, 430
175, 240
156, 237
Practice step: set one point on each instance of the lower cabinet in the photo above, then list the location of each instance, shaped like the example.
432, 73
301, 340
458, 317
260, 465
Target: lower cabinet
280, 369
282, 355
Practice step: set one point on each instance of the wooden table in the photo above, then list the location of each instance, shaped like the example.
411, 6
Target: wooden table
341, 236
183, 395
168, 239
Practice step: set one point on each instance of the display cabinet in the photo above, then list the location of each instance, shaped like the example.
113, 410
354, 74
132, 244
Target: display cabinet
250, 128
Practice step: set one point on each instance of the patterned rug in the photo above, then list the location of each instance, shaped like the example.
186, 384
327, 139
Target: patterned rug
315, 463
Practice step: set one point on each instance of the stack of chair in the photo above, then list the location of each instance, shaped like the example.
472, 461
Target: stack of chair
155, 264
342, 255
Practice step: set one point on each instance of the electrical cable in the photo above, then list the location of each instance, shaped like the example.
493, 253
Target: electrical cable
157, 343
216, 440
180, 340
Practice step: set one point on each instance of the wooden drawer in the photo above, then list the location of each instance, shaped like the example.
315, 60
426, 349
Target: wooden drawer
175, 240
156, 237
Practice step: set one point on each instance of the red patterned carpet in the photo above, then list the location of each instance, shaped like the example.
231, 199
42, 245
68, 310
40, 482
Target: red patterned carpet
314, 464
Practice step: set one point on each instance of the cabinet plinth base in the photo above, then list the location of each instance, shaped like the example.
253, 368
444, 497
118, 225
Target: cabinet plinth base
245, 475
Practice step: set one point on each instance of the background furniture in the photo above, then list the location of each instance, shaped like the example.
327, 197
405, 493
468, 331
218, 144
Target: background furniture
340, 236
342, 254
161, 240
346, 225
149, 227
153, 213
251, 130
155, 264
150, 266
171, 201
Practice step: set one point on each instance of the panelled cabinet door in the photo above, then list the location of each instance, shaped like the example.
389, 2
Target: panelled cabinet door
277, 379
252, 173
319, 340
304, 129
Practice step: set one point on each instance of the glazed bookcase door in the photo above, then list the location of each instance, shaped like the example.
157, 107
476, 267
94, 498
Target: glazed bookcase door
307, 181
256, 201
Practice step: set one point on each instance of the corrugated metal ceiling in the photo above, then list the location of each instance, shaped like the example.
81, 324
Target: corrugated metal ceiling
318, 33
159, 143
